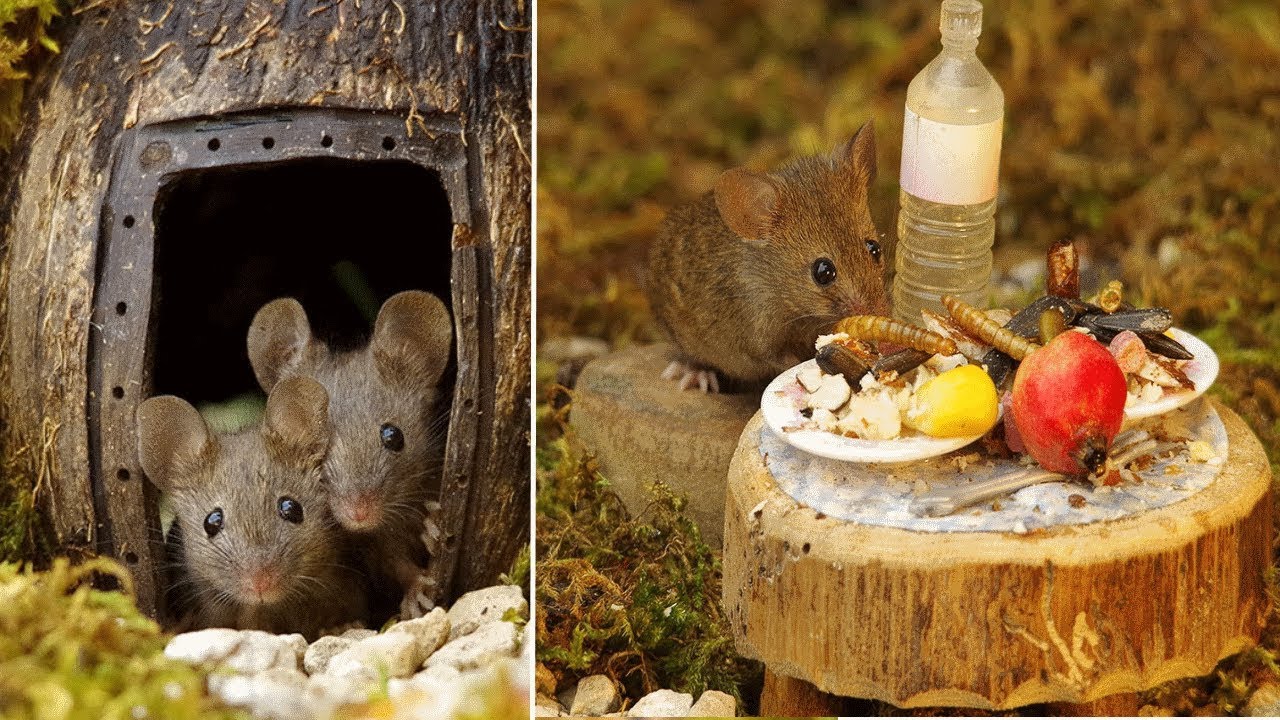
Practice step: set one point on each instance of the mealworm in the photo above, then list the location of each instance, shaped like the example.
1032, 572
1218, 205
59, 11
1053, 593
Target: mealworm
989, 331
876, 327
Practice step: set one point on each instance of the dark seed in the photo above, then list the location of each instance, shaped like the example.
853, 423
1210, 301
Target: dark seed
1155, 320
1026, 322
901, 362
1164, 345
836, 359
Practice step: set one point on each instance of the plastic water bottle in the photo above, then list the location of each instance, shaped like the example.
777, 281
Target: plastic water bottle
950, 165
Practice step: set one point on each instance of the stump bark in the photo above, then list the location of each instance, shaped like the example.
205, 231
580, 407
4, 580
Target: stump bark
998, 620
644, 429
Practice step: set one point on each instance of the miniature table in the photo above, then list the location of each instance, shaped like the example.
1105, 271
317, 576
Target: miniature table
644, 429
993, 620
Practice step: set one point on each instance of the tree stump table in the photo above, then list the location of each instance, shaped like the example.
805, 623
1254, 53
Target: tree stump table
644, 429
1069, 613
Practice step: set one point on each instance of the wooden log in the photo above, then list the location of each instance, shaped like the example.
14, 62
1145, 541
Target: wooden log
644, 429
783, 696
997, 620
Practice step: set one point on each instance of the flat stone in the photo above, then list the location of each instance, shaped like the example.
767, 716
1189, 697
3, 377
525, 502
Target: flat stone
320, 652
485, 606
244, 651
644, 429
358, 633
1265, 702
397, 654
429, 631
714, 703
546, 706
595, 696
491, 642
275, 693
662, 703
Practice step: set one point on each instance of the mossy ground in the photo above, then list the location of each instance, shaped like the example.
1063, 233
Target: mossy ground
1147, 130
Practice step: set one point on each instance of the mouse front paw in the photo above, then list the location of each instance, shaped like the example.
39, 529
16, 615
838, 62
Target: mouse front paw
418, 598
689, 376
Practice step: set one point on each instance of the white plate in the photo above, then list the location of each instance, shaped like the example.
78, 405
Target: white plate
1202, 370
781, 404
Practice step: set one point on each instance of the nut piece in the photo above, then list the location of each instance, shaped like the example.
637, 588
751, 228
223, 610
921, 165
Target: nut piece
810, 378
833, 392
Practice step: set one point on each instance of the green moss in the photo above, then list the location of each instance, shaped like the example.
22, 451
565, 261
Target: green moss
634, 597
24, 39
519, 573
68, 651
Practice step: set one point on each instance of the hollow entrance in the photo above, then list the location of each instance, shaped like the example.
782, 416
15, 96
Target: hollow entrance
341, 236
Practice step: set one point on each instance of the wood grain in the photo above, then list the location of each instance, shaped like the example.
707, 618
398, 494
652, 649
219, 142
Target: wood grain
995, 620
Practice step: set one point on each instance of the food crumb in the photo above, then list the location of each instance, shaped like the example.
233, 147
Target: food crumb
1076, 500
1200, 451
1020, 527
1172, 470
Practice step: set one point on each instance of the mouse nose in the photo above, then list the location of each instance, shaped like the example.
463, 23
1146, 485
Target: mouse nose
263, 583
360, 512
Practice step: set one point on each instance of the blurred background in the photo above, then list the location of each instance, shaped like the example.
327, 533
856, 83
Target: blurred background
1147, 130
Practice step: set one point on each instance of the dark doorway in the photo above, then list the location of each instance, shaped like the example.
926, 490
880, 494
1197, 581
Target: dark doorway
339, 235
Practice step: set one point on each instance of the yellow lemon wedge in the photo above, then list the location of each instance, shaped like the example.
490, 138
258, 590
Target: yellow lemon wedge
959, 402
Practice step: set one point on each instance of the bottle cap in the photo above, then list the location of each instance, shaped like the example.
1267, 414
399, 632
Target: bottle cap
960, 23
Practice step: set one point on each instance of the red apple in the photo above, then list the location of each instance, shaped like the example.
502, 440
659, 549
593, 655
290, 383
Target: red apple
1068, 403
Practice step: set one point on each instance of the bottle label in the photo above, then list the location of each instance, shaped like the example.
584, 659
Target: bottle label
950, 164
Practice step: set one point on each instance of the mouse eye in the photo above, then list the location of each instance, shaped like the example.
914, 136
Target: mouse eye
213, 522
392, 438
824, 272
873, 247
289, 509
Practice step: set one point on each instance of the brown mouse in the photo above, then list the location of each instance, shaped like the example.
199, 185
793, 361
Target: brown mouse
260, 550
744, 279
387, 410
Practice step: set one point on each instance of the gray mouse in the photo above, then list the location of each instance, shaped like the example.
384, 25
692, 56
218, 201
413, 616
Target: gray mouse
745, 278
259, 547
387, 410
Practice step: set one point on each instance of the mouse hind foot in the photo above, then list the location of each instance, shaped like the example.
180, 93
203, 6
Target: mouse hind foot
690, 375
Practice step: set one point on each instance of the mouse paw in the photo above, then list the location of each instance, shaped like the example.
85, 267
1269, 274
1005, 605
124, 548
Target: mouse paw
418, 598
432, 534
689, 376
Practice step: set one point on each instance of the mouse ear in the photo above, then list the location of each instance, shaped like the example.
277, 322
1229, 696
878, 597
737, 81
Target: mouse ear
858, 155
296, 420
748, 202
412, 339
173, 439
279, 338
